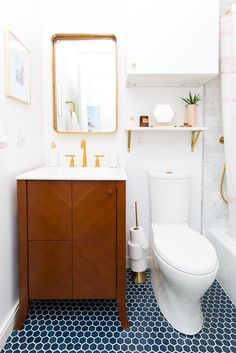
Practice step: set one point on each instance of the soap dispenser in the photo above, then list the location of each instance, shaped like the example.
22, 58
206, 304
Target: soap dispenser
53, 157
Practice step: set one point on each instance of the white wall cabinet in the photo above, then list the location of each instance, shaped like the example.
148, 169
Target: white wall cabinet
172, 42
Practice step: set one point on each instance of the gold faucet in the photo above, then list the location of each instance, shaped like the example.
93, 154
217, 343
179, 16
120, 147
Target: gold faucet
83, 146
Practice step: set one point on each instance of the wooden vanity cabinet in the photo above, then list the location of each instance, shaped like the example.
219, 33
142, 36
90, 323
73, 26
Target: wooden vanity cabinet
71, 242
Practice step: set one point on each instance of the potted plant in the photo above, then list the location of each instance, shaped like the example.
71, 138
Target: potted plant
191, 109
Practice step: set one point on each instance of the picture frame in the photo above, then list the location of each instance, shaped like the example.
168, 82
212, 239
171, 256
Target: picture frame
17, 69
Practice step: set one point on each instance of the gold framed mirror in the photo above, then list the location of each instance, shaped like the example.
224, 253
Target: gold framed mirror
85, 92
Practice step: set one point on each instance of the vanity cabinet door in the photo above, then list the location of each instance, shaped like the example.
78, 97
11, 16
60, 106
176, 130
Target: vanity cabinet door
50, 269
94, 210
94, 239
94, 269
49, 210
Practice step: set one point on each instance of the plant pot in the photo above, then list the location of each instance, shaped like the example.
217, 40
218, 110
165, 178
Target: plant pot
191, 115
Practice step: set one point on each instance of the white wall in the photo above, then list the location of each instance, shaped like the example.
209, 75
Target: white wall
160, 150
22, 18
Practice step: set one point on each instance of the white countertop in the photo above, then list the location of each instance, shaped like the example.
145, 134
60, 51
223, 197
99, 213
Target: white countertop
76, 173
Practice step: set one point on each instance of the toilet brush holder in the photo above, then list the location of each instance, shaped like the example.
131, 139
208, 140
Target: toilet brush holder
139, 277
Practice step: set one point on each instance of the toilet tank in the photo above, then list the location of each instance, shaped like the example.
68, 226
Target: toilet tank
169, 194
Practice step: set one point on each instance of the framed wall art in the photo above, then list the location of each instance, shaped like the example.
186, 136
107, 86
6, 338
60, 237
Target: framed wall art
17, 69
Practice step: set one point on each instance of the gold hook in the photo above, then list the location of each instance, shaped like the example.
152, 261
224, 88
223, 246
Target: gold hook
73, 106
221, 139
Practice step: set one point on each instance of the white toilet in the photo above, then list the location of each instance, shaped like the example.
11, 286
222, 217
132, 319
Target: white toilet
187, 261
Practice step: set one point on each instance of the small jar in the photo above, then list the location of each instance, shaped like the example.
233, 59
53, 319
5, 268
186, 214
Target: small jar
143, 121
53, 157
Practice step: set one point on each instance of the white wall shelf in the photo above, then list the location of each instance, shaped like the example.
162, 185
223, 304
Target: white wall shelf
195, 130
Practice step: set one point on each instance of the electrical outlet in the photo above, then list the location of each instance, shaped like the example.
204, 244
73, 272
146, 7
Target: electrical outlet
21, 140
139, 139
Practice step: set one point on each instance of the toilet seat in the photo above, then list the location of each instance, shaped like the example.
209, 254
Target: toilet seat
185, 249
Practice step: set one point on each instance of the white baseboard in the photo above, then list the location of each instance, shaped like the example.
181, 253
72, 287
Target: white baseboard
148, 259
7, 326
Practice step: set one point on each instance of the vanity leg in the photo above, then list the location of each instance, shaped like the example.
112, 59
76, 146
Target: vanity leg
22, 253
121, 258
122, 309
22, 314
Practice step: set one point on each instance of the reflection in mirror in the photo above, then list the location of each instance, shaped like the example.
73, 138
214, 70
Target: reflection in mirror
85, 83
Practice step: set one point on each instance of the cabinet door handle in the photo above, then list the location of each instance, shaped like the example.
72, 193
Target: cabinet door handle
109, 191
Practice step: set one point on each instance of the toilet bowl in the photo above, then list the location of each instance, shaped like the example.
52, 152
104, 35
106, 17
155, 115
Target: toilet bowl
188, 264
187, 261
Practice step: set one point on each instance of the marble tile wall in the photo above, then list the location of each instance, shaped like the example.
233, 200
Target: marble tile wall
214, 210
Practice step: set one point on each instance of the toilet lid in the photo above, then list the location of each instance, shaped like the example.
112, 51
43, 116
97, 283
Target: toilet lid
186, 250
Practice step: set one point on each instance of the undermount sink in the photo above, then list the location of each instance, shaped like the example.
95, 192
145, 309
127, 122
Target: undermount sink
76, 173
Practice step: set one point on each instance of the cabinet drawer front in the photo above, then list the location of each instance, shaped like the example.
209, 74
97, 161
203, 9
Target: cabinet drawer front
50, 269
49, 210
94, 210
94, 269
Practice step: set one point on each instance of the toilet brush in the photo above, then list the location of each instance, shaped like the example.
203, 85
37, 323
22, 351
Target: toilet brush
138, 277
136, 215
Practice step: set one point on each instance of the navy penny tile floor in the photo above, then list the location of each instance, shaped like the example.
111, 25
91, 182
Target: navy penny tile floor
92, 326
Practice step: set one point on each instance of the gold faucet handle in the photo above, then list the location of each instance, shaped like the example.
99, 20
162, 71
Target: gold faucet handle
72, 161
97, 160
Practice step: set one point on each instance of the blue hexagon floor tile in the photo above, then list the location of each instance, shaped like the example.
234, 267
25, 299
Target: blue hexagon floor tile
93, 327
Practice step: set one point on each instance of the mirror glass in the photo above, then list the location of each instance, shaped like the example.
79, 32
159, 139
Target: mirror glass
84, 83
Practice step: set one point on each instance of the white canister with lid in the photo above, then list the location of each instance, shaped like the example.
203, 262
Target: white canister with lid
113, 160
53, 157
